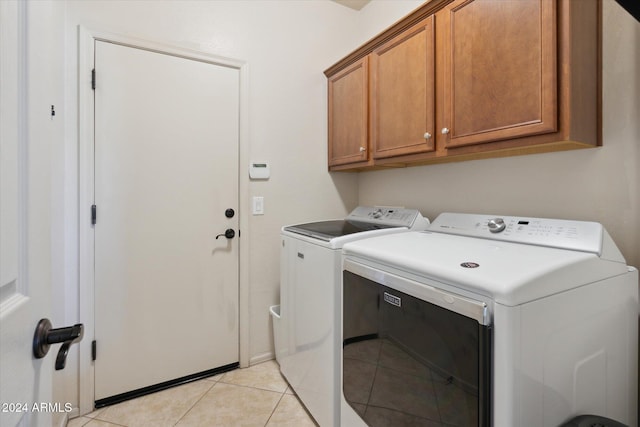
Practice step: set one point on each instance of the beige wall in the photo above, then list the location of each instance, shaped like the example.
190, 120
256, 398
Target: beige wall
287, 45
600, 184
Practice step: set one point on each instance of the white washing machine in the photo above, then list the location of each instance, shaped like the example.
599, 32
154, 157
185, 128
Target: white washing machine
489, 321
310, 273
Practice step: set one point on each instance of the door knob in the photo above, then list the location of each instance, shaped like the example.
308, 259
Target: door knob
229, 234
44, 336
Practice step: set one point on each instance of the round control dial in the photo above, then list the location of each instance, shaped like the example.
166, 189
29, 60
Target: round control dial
496, 225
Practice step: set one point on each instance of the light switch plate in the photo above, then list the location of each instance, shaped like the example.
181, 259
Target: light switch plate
258, 205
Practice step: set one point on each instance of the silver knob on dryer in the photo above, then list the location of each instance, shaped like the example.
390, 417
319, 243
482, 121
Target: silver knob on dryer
496, 225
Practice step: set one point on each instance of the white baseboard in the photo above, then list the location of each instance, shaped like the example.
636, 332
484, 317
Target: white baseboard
261, 358
60, 419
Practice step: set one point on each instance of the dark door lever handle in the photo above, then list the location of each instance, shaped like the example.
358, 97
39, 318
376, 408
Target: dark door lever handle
45, 336
229, 234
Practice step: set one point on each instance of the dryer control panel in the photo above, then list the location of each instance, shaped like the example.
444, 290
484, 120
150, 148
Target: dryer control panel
557, 233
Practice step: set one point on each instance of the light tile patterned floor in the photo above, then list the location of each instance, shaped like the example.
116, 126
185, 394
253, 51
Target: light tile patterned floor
255, 396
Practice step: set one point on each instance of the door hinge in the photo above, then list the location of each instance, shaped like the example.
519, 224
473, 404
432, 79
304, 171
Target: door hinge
93, 350
94, 214
93, 79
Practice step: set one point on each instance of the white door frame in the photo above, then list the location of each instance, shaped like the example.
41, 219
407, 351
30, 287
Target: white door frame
86, 39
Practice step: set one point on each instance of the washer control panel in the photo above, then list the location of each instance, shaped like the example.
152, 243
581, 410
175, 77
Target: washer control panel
389, 216
564, 234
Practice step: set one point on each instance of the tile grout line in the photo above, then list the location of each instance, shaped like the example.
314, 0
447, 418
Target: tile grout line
213, 383
274, 408
197, 401
251, 386
108, 422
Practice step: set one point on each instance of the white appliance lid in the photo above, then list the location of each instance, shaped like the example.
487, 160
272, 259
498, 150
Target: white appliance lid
327, 230
509, 273
363, 219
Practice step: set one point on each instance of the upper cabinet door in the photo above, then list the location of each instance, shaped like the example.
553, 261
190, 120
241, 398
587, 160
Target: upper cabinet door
497, 66
348, 115
402, 93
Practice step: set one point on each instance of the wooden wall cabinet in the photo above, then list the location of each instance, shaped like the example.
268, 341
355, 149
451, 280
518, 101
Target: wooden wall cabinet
349, 115
498, 67
467, 79
402, 93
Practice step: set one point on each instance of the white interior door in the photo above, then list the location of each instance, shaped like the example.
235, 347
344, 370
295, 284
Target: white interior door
25, 211
166, 170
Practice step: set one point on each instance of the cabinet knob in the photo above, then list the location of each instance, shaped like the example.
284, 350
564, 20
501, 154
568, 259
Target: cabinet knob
445, 131
427, 135
362, 149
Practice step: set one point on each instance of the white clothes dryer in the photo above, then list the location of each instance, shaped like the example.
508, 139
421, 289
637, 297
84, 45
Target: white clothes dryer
489, 321
310, 304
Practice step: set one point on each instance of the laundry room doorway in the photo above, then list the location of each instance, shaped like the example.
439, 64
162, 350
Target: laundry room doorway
162, 218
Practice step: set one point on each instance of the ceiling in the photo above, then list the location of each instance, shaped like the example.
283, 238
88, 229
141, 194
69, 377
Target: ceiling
353, 4
632, 6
